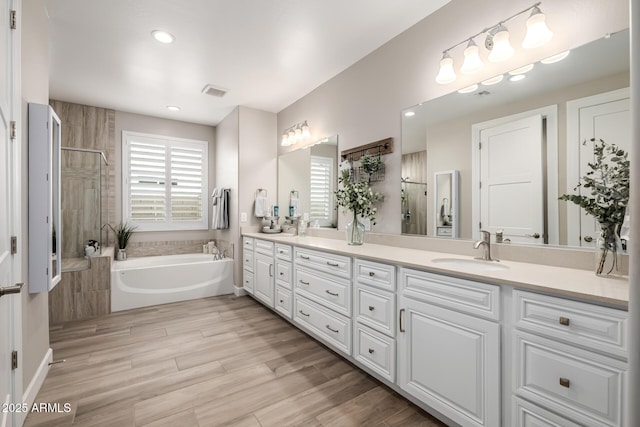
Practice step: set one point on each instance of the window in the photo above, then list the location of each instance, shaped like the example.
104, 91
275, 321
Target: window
164, 182
321, 192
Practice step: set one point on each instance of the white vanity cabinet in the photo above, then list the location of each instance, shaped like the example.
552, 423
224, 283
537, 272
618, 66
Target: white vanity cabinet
322, 296
449, 346
284, 276
264, 272
570, 358
374, 328
247, 264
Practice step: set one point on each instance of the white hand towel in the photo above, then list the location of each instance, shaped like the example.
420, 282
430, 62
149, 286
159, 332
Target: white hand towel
295, 203
261, 208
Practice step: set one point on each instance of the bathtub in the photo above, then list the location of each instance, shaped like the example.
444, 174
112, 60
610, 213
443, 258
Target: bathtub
141, 282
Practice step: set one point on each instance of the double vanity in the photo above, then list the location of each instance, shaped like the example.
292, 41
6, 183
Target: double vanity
475, 343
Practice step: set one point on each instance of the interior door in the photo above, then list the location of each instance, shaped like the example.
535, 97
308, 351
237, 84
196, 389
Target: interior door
7, 302
512, 192
611, 122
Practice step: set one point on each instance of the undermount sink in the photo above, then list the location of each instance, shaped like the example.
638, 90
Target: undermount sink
470, 264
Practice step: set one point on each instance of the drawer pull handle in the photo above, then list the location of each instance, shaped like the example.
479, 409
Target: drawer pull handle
304, 257
280, 251
332, 330
281, 273
303, 313
331, 293
371, 274
303, 282
400, 320
564, 321
371, 351
270, 273
281, 302
564, 382
246, 260
371, 308
333, 264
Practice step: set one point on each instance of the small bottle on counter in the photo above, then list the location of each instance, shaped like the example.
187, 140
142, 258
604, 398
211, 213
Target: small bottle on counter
275, 211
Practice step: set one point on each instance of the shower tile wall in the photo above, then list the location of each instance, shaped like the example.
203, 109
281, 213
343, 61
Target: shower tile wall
414, 166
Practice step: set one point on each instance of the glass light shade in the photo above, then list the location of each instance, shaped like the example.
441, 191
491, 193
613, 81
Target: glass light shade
556, 58
306, 133
292, 137
285, 140
493, 80
517, 77
298, 133
502, 49
537, 31
469, 89
472, 62
521, 70
446, 73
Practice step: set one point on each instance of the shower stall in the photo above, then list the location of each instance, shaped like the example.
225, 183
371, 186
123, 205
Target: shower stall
414, 207
83, 191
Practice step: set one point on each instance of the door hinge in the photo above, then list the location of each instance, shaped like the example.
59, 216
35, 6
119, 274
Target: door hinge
13, 20
14, 245
14, 360
13, 132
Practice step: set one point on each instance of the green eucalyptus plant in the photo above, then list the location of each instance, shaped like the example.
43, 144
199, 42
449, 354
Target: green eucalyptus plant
606, 194
357, 197
370, 164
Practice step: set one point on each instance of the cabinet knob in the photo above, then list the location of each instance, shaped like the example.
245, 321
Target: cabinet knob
371, 308
564, 382
564, 321
281, 302
281, 273
371, 351
371, 274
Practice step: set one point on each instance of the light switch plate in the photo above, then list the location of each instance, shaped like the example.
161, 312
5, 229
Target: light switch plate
243, 217
305, 217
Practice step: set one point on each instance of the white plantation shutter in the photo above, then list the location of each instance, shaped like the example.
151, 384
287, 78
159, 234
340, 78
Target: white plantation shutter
321, 192
164, 182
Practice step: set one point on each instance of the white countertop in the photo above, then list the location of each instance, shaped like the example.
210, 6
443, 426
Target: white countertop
565, 282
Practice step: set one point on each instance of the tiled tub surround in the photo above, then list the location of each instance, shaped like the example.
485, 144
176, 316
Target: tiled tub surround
528, 344
175, 247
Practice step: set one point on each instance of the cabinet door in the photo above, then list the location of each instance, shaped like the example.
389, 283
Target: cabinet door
450, 361
263, 279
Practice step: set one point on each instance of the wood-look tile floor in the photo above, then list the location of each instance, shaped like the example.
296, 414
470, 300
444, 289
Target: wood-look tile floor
209, 362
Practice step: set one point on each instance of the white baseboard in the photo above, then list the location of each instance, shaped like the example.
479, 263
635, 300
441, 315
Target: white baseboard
32, 390
239, 292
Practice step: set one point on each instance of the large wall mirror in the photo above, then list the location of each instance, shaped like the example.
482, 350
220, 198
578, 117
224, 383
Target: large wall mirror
517, 145
307, 178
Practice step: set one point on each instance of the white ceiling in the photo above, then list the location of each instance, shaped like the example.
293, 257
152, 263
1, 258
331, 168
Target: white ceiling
266, 53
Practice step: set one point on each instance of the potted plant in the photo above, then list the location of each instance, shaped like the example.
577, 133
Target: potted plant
357, 197
370, 165
123, 232
607, 182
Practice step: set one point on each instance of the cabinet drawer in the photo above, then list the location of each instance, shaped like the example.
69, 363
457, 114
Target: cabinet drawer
263, 246
588, 325
376, 308
247, 260
526, 414
333, 328
284, 273
582, 385
332, 292
247, 281
476, 298
329, 263
376, 274
283, 301
247, 243
376, 351
284, 252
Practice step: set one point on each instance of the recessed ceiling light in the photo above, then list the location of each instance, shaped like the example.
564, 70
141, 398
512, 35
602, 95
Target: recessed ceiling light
173, 108
410, 114
517, 78
521, 70
162, 36
556, 58
493, 80
468, 89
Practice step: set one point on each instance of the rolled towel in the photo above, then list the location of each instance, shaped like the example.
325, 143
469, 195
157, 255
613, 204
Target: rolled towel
261, 208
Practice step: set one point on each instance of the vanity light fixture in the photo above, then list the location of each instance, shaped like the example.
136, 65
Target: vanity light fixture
556, 58
296, 133
163, 36
468, 89
493, 80
497, 43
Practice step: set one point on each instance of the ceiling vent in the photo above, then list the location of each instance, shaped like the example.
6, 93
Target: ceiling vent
214, 91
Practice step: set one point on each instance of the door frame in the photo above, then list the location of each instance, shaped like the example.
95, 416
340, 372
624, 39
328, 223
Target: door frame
573, 152
550, 114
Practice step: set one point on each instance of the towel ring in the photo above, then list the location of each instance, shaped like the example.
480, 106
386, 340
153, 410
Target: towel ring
294, 193
261, 190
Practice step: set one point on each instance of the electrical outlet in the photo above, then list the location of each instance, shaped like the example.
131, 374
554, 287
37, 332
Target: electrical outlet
243, 217
305, 217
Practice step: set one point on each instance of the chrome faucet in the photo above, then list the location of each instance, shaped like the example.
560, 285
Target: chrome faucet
486, 246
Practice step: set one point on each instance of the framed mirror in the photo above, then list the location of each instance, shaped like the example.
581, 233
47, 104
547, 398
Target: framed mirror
307, 178
463, 131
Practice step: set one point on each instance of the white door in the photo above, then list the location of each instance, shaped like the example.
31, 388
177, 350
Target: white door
512, 190
264, 279
8, 303
607, 117
451, 361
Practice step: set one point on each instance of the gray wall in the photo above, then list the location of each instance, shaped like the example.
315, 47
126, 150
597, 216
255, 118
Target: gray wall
35, 88
363, 103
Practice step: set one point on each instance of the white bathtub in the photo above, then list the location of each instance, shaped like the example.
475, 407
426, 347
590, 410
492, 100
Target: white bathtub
141, 282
